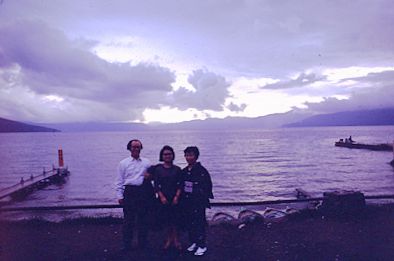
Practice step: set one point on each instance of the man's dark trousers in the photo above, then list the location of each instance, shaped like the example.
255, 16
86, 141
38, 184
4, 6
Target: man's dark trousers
137, 207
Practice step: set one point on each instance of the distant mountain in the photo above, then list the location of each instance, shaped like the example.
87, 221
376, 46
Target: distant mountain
229, 123
15, 126
97, 126
295, 118
349, 118
269, 121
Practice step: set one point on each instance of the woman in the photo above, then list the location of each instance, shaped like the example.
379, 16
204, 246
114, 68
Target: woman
168, 184
196, 194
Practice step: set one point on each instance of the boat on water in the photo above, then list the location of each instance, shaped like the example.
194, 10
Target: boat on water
356, 145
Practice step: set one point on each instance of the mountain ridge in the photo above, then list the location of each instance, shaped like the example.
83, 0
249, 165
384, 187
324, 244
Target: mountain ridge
295, 118
7, 125
373, 117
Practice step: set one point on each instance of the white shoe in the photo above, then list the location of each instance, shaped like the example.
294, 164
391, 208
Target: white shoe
192, 247
200, 251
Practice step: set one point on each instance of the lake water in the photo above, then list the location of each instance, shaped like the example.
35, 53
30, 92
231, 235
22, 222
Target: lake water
245, 165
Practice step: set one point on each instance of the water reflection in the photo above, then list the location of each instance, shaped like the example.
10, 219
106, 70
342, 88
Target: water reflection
244, 165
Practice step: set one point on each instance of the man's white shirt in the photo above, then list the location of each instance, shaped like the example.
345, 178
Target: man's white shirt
130, 172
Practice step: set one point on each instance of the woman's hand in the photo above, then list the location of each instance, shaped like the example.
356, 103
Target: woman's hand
175, 200
163, 200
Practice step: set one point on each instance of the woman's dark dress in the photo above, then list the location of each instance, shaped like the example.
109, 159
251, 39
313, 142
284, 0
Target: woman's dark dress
168, 181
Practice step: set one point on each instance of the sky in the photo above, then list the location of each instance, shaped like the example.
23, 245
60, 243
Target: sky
172, 61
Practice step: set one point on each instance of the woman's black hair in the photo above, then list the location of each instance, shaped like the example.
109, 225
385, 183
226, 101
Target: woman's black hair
192, 149
166, 147
129, 144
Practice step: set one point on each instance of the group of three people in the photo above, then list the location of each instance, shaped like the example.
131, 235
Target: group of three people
182, 194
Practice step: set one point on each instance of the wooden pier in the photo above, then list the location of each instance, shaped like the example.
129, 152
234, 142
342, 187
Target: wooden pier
25, 187
46, 178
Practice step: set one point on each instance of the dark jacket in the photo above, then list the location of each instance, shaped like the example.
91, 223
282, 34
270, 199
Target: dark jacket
197, 185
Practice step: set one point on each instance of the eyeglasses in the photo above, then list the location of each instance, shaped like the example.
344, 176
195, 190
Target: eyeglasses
167, 154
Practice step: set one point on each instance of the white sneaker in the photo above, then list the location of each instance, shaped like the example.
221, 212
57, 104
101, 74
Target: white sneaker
200, 251
192, 247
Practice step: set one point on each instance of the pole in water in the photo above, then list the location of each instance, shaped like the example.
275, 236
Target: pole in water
60, 156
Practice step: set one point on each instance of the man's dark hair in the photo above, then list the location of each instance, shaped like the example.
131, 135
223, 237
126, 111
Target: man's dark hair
166, 147
129, 144
192, 149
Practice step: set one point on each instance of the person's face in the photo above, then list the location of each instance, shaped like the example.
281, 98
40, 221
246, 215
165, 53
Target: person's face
190, 158
135, 149
168, 156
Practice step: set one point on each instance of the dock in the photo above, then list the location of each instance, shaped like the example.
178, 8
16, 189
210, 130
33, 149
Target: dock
25, 187
46, 178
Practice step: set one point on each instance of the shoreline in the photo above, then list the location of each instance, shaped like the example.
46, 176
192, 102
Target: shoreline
308, 235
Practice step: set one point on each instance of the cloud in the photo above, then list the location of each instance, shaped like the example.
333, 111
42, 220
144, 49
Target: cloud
235, 107
45, 62
42, 61
46, 49
302, 80
260, 38
376, 90
210, 92
384, 77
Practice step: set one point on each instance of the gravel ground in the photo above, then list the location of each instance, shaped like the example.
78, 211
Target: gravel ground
367, 235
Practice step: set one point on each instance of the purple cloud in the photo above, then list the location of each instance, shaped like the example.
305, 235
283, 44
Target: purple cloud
50, 64
379, 94
210, 92
302, 80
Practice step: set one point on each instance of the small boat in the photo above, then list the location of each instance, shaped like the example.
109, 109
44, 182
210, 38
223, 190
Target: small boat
274, 215
222, 218
356, 145
249, 216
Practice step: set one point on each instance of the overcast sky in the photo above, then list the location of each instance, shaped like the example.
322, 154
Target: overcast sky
145, 61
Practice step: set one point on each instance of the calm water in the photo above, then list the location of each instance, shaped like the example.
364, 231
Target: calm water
244, 165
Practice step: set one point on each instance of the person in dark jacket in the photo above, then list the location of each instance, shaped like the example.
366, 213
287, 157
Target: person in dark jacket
196, 193
167, 179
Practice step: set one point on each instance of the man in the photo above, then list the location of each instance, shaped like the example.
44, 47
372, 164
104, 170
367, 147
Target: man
136, 194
